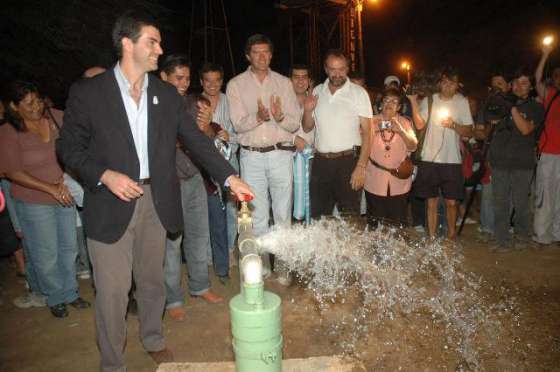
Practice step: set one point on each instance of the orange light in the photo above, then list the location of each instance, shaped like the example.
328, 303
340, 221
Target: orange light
405, 66
547, 40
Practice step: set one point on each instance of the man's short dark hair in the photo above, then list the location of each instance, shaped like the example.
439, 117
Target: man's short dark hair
450, 73
392, 92
337, 53
522, 71
258, 39
210, 67
129, 25
172, 61
498, 72
300, 66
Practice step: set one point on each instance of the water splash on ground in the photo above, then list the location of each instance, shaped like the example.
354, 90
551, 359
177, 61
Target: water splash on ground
388, 276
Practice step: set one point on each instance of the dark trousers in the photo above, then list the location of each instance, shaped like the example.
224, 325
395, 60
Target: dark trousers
514, 185
418, 208
389, 210
140, 251
330, 185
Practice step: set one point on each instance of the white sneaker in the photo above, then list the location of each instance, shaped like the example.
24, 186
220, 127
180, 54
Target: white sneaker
30, 300
284, 279
468, 221
83, 274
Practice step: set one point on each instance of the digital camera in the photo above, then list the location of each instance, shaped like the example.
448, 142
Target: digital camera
385, 124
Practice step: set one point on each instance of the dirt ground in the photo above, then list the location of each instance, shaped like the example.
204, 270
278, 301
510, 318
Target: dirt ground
33, 340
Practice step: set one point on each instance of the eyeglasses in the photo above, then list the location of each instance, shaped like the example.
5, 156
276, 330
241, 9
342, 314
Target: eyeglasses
394, 101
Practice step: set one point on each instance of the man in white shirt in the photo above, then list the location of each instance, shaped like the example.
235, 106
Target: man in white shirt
440, 168
340, 111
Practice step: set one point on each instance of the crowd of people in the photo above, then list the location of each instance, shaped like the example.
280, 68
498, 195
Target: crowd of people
150, 169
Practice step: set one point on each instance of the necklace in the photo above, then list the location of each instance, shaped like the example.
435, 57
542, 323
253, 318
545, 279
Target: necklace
387, 141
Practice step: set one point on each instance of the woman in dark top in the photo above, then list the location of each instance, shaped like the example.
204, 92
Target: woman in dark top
44, 205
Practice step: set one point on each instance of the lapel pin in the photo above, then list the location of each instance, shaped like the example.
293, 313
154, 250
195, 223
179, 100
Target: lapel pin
155, 100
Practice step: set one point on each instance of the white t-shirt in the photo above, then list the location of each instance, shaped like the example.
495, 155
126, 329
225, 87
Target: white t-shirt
441, 145
337, 116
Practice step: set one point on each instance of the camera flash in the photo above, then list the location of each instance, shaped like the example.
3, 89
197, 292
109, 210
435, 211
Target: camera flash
547, 40
443, 113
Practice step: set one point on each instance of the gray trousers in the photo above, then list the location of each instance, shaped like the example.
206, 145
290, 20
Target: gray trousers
547, 201
514, 184
139, 252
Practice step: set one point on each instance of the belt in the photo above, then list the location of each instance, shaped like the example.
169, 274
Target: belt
376, 164
144, 181
334, 155
277, 146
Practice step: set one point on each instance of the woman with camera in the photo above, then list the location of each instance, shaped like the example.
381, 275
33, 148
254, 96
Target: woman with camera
389, 172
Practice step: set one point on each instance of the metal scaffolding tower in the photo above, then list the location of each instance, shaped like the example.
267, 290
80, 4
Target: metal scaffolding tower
209, 31
325, 24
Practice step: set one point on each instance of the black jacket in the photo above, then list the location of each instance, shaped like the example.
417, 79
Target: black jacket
96, 136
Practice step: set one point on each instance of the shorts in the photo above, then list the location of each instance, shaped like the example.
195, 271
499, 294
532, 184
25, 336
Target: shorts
434, 178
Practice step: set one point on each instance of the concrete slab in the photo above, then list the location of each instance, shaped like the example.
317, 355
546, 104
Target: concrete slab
316, 364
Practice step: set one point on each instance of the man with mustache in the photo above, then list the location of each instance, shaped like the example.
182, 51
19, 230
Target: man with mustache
340, 111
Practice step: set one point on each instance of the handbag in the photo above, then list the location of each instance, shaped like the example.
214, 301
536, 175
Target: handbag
403, 171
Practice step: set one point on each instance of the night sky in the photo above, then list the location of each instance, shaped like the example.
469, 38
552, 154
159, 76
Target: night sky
52, 42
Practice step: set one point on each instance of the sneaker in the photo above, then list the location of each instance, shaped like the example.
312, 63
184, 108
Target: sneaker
83, 274
59, 311
80, 303
485, 237
266, 273
284, 279
468, 221
521, 244
500, 248
30, 300
419, 229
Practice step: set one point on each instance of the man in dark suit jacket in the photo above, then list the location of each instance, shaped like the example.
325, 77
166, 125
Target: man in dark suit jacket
119, 137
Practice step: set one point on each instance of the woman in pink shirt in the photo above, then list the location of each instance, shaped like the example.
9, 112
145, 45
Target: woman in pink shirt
392, 140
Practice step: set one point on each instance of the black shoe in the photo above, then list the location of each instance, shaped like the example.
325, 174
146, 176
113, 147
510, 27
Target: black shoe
80, 303
59, 311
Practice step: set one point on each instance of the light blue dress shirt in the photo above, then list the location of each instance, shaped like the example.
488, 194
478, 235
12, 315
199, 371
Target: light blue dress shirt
137, 118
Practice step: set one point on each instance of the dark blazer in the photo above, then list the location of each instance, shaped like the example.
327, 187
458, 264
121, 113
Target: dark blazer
96, 136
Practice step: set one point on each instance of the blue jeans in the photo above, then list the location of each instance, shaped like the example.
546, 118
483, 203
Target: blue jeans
83, 256
195, 245
487, 209
231, 210
217, 221
49, 233
269, 173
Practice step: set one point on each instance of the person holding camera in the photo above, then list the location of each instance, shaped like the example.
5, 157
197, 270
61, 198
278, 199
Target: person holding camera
445, 120
389, 172
494, 109
512, 158
547, 208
